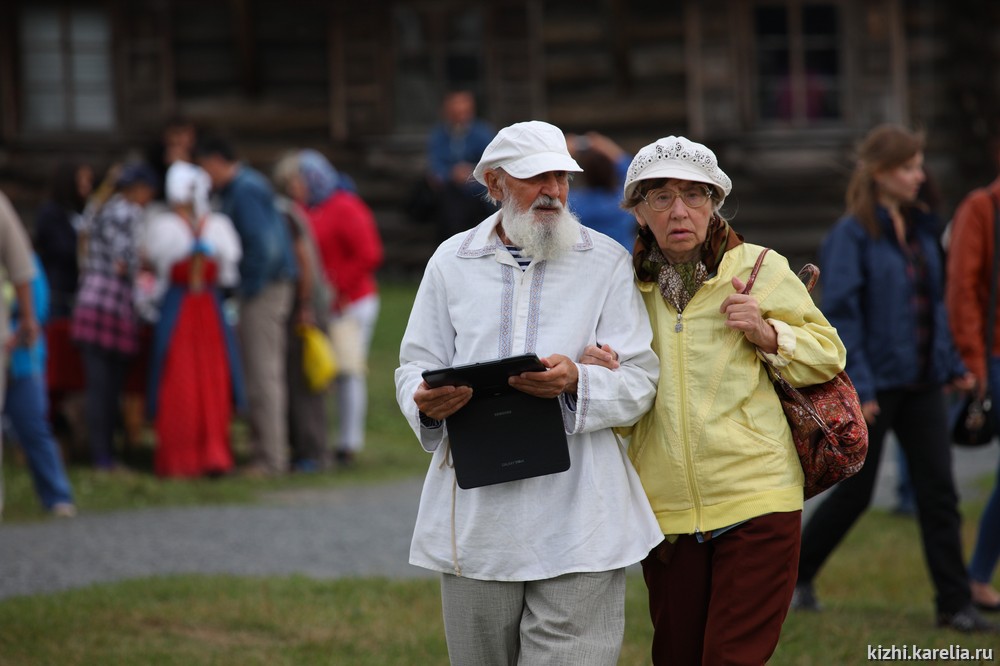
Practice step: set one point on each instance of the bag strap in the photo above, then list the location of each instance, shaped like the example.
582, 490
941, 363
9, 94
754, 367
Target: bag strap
809, 273
756, 269
812, 273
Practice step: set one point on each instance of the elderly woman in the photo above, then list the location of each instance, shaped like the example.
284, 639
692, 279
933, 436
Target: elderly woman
715, 454
307, 416
350, 249
195, 378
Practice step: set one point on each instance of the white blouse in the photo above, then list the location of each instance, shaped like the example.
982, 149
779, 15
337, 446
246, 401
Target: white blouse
168, 239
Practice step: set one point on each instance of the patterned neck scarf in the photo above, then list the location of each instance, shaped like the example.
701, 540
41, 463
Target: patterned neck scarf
679, 282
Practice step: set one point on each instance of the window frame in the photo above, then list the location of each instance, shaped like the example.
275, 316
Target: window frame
799, 120
69, 131
439, 45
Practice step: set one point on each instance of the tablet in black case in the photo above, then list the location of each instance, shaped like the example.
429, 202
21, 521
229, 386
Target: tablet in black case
502, 434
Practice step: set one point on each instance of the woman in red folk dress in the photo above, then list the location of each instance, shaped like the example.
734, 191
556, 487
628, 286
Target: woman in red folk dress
195, 379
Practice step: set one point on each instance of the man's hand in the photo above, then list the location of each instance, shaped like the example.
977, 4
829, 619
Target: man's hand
870, 410
440, 403
742, 313
602, 355
560, 377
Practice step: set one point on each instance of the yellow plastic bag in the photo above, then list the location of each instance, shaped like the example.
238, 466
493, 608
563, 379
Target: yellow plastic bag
319, 364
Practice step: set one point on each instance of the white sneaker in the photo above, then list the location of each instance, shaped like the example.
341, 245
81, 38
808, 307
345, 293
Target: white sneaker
62, 510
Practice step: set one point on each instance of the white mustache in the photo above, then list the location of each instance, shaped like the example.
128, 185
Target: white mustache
545, 201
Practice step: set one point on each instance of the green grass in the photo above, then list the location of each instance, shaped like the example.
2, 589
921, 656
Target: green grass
875, 587
391, 450
875, 590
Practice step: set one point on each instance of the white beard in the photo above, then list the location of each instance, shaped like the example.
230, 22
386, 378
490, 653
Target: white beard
540, 235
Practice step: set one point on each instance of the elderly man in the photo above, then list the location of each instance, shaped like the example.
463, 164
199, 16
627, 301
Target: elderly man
532, 569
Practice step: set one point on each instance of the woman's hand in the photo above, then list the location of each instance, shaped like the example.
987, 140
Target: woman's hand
870, 410
441, 402
602, 355
560, 377
742, 312
967, 383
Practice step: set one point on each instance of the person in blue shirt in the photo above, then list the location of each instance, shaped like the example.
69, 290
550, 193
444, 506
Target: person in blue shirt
26, 408
265, 294
454, 147
596, 201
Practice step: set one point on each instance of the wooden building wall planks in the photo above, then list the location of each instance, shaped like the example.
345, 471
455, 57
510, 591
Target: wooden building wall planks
326, 74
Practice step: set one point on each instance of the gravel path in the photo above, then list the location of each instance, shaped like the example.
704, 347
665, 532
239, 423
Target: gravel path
353, 531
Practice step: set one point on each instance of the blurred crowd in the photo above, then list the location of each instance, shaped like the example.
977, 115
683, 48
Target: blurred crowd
176, 291
176, 294
180, 292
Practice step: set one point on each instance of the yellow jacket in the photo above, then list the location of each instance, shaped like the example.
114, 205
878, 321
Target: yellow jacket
716, 449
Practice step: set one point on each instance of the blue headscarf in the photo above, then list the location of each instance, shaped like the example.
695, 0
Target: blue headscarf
322, 180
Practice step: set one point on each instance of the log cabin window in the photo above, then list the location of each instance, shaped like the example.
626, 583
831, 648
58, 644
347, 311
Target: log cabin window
799, 73
66, 69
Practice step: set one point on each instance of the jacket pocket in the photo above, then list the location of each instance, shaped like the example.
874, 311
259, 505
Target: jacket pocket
740, 434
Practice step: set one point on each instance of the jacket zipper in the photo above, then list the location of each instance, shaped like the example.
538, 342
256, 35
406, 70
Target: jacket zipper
688, 464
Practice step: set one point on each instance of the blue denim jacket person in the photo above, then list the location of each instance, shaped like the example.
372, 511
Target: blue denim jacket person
267, 246
879, 328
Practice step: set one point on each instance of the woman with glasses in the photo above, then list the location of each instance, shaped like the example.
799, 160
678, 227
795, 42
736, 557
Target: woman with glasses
715, 455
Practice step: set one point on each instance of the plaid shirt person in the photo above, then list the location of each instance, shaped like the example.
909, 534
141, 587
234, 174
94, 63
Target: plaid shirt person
104, 315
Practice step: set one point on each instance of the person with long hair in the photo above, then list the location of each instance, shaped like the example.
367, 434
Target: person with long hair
884, 291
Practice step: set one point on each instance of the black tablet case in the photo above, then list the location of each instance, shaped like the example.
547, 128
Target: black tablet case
502, 434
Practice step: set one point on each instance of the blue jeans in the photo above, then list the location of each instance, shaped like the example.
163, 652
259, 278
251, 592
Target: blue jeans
987, 550
26, 407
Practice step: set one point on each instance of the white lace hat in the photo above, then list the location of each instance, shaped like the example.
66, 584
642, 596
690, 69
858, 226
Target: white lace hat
677, 157
526, 149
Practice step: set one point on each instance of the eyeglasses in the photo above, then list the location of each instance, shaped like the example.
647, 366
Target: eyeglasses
661, 200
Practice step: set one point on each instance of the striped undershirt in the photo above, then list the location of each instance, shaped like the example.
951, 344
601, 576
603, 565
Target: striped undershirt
520, 257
